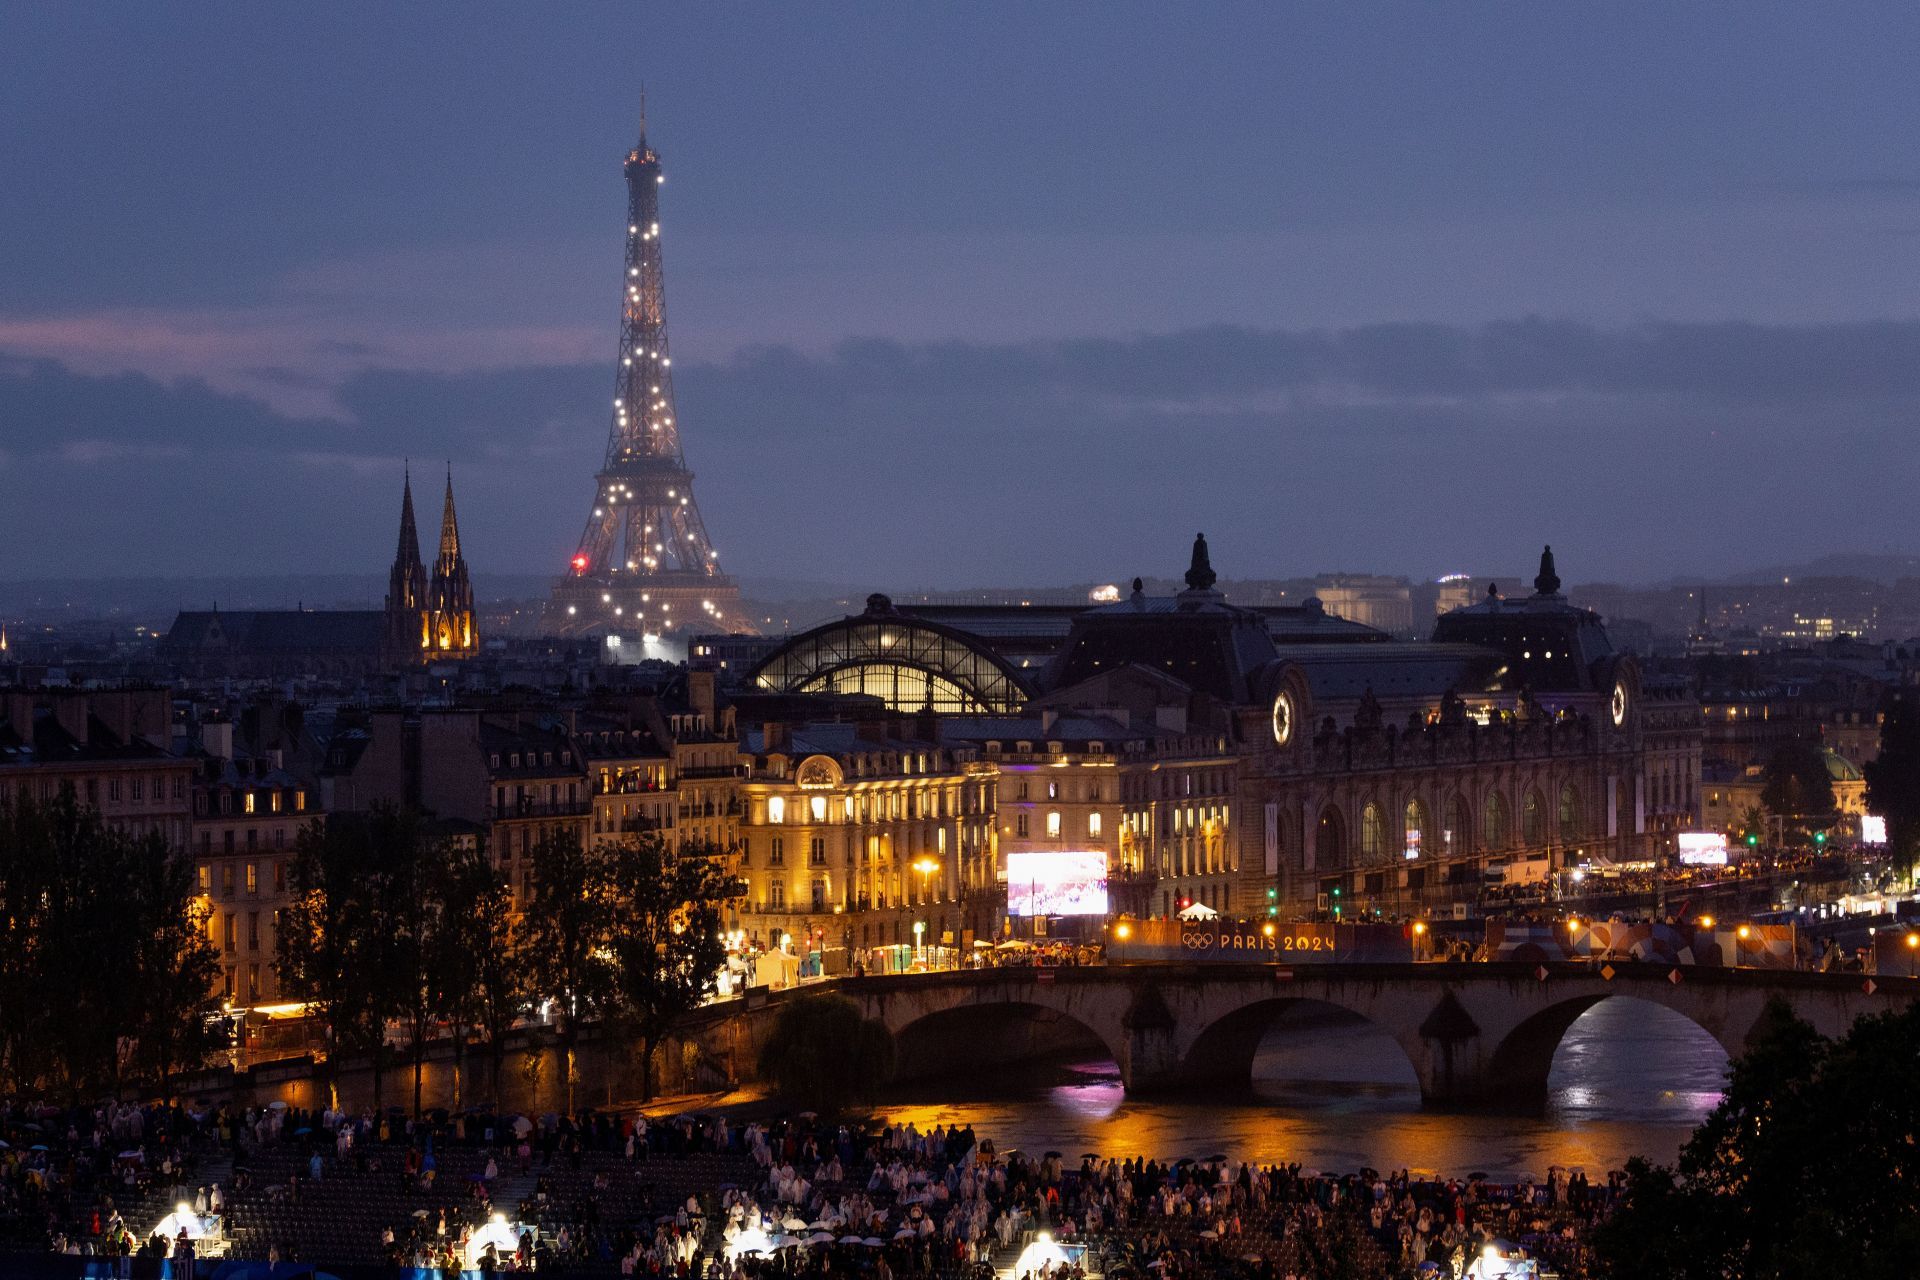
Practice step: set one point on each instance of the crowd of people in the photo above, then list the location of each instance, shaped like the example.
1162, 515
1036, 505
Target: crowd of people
893, 1202
767, 1200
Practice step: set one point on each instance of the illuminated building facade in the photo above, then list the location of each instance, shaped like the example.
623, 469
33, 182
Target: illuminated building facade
644, 564
853, 833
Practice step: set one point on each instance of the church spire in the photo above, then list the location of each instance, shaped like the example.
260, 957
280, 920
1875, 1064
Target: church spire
449, 530
1547, 582
409, 549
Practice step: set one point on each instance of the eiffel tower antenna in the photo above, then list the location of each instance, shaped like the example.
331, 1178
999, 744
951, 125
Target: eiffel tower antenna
644, 563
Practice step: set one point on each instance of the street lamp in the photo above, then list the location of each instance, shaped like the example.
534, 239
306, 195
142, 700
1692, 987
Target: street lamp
926, 867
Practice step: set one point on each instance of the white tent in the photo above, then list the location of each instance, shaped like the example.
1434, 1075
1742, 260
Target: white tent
1199, 911
1043, 1252
183, 1218
497, 1233
751, 1241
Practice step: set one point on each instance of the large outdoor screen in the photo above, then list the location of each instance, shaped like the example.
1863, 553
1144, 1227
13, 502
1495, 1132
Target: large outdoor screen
1070, 883
1873, 829
1702, 848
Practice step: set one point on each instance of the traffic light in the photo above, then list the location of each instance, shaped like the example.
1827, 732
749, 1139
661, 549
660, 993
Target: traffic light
1753, 838
1819, 837
1272, 894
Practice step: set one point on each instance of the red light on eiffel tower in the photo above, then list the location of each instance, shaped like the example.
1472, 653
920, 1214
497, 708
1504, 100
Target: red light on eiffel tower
580, 564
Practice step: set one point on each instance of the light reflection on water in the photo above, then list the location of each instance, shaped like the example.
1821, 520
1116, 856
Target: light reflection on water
1630, 1078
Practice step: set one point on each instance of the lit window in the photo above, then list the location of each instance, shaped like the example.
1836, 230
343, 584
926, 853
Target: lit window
1093, 824
776, 809
819, 806
1053, 823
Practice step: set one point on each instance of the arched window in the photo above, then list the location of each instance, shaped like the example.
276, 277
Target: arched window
1371, 838
1330, 842
1496, 822
1416, 828
1457, 836
1533, 820
1569, 812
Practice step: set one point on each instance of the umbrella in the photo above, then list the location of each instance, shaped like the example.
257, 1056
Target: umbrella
1209, 1234
5, 1145
38, 1146
1051, 1155
851, 1240
783, 1241
131, 1154
522, 1126
904, 1233
795, 1224
302, 1131
276, 1105
874, 1242
820, 1237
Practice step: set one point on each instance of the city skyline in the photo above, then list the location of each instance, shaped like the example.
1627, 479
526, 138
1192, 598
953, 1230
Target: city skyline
1413, 320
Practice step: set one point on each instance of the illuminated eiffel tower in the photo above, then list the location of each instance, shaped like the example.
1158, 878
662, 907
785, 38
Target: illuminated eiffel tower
644, 563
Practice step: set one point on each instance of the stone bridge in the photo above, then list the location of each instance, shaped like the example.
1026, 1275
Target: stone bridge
1477, 1035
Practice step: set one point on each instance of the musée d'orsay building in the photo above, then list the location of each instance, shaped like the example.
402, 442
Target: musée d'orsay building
1256, 758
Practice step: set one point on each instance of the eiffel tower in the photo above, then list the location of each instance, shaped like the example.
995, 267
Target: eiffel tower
644, 564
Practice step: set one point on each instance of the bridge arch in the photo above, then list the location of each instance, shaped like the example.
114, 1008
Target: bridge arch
1223, 1052
990, 1033
1522, 1062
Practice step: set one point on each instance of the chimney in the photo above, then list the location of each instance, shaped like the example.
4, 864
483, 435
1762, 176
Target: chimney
773, 735
700, 694
217, 737
1048, 717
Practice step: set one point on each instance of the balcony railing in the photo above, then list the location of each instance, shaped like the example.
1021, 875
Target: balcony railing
543, 809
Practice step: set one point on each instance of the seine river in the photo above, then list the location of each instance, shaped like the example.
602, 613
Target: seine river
1336, 1094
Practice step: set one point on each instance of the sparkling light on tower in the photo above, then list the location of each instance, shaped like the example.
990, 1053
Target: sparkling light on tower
644, 562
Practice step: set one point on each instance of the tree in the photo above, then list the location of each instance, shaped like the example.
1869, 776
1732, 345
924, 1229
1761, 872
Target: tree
176, 962
327, 949
1893, 779
107, 968
1805, 1167
666, 941
825, 1053
1798, 785
473, 970
567, 938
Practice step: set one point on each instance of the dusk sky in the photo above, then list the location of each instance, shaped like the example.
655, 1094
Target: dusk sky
1019, 293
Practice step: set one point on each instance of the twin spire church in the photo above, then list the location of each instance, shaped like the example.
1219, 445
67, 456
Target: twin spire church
428, 619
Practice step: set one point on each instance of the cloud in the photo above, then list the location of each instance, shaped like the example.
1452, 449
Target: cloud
1643, 450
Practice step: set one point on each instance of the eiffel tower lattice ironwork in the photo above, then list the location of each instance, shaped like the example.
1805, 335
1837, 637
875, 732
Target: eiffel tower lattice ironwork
644, 563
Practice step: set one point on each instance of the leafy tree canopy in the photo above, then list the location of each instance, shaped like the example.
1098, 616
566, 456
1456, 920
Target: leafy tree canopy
1808, 1167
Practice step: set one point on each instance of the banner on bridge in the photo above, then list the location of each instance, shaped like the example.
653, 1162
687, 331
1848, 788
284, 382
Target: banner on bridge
1271, 942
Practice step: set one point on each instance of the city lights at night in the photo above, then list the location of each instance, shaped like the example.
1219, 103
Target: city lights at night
1314, 673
